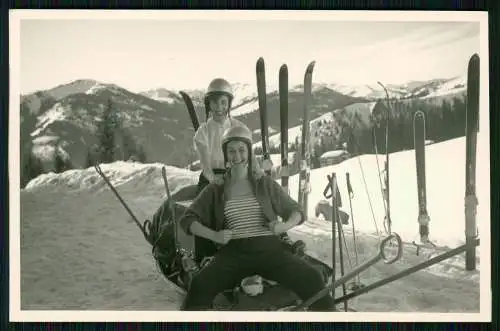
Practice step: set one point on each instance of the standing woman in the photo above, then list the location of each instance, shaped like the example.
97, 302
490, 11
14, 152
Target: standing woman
241, 216
207, 139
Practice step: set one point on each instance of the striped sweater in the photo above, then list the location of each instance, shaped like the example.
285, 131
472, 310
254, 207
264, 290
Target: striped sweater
244, 216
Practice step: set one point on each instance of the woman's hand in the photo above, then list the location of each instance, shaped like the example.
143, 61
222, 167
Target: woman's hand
216, 179
222, 237
278, 227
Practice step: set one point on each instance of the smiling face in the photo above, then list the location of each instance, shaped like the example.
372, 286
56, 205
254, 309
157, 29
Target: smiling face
219, 107
237, 153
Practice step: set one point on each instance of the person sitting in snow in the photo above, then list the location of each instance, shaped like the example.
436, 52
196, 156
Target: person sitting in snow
206, 140
242, 217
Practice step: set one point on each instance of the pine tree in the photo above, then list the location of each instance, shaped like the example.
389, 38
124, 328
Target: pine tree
89, 161
61, 163
32, 166
106, 130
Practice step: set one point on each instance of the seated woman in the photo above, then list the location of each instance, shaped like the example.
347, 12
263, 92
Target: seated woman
241, 216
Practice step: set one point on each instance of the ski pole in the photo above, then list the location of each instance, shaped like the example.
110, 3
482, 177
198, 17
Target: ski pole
409, 271
141, 227
387, 121
341, 251
351, 274
351, 195
336, 221
333, 186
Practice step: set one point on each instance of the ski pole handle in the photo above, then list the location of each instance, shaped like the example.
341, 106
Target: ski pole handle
328, 188
349, 187
385, 242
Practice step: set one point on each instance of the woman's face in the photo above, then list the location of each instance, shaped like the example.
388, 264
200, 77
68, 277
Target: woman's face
237, 153
219, 106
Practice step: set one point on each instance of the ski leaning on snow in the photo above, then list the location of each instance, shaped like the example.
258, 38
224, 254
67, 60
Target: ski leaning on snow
261, 91
283, 92
419, 137
305, 153
191, 110
471, 129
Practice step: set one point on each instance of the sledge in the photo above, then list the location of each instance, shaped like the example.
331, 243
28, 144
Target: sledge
180, 260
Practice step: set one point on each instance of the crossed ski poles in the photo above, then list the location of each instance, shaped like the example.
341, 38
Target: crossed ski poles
333, 189
356, 271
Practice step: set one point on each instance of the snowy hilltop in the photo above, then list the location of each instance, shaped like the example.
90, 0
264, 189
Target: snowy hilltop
65, 118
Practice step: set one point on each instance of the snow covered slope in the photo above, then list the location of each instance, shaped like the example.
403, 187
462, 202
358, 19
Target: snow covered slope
68, 220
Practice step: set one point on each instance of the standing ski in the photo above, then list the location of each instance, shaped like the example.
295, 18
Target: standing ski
283, 91
388, 221
261, 91
471, 129
305, 153
419, 144
191, 110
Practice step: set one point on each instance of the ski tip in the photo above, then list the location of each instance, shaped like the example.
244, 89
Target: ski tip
283, 69
310, 67
260, 65
185, 96
474, 62
474, 57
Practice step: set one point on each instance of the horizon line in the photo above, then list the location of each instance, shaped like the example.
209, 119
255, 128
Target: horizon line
272, 85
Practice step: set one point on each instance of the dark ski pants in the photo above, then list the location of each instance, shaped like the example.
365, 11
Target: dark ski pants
204, 247
264, 256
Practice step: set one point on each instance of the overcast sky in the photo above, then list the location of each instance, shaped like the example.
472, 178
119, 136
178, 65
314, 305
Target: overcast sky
179, 54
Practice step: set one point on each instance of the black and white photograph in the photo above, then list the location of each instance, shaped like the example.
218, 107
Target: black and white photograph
249, 165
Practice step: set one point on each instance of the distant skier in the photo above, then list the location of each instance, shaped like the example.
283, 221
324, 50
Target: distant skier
242, 217
207, 139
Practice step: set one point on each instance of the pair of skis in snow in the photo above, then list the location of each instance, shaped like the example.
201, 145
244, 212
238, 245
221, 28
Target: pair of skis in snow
305, 151
471, 129
304, 155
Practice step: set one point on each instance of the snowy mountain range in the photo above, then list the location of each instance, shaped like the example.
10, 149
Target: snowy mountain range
67, 114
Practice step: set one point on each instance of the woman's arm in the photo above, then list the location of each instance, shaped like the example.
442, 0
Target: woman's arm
200, 211
197, 219
284, 206
198, 229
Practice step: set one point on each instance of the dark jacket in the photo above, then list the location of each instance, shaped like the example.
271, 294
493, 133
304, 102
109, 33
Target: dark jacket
208, 207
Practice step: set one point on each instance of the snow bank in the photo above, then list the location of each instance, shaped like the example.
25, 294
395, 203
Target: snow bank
119, 173
445, 173
445, 177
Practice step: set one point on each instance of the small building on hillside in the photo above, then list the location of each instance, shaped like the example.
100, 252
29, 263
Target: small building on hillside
333, 157
194, 166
